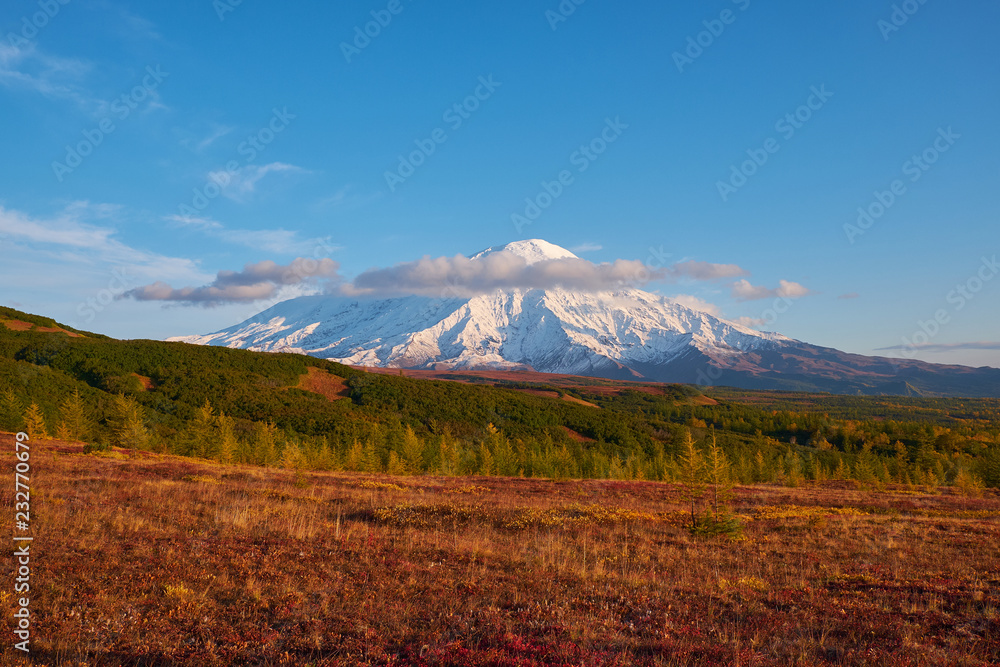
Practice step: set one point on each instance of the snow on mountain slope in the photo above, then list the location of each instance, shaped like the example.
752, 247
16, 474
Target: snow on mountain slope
552, 330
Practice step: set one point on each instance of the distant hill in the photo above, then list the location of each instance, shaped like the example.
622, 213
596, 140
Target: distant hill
298, 411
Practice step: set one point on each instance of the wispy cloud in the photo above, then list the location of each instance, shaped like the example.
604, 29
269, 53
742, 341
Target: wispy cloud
263, 280
946, 347
347, 197
240, 185
586, 247
30, 69
80, 234
706, 271
282, 241
742, 290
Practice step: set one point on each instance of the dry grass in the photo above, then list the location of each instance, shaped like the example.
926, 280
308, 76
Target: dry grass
161, 560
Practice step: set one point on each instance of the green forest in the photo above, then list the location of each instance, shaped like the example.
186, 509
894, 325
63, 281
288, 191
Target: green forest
238, 406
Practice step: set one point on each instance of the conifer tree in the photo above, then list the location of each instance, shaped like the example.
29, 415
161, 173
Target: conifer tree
486, 467
719, 478
397, 466
412, 451
292, 457
34, 423
265, 439
864, 468
128, 424
202, 433
11, 411
62, 432
75, 424
449, 456
228, 447
355, 456
901, 463
690, 475
761, 472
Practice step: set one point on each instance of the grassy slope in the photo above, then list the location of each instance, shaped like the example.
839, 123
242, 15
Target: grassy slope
172, 380
163, 560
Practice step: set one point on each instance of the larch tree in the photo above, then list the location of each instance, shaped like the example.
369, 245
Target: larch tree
228, 444
720, 479
690, 467
34, 423
129, 424
75, 424
11, 411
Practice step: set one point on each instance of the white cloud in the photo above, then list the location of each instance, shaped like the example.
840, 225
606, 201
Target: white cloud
697, 303
706, 271
744, 291
587, 247
461, 276
73, 236
751, 322
263, 280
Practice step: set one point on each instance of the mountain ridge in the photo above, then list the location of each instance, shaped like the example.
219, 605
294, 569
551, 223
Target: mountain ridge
623, 333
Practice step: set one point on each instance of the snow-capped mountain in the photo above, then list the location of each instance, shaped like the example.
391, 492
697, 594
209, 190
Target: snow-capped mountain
621, 334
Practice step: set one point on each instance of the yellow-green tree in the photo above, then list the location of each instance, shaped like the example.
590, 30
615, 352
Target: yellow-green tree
718, 475
292, 457
34, 423
690, 467
449, 457
486, 467
202, 432
11, 411
265, 439
129, 424
228, 444
412, 453
74, 422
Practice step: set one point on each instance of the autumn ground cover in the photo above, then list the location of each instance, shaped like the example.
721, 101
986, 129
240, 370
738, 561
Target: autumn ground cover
154, 559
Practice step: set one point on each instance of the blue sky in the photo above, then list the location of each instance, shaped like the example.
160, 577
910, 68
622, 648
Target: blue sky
163, 143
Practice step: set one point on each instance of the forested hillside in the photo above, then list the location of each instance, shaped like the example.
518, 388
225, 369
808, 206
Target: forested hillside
302, 412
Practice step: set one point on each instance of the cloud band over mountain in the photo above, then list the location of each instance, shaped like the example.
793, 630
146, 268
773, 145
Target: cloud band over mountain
262, 280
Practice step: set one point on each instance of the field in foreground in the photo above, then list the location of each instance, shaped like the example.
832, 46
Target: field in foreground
163, 560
